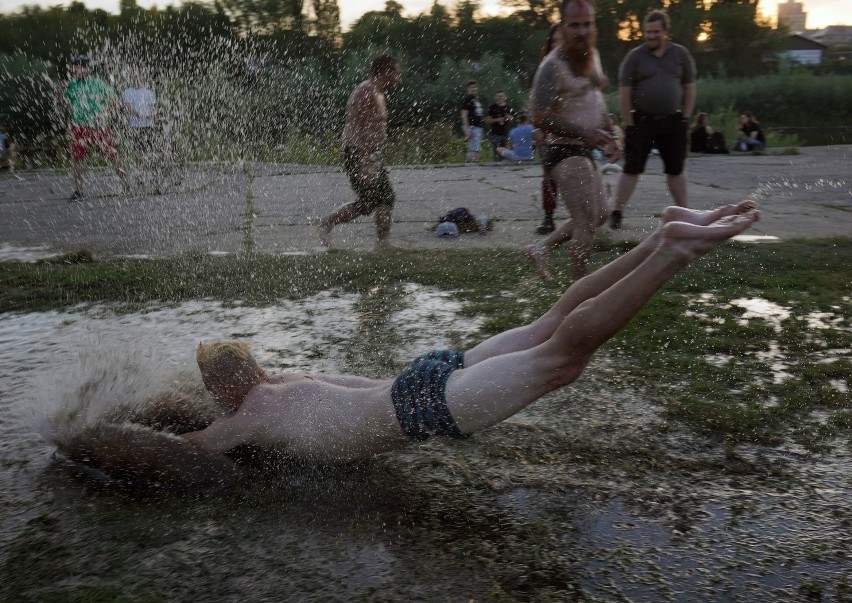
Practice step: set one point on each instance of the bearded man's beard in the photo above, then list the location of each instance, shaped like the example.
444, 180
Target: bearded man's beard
580, 55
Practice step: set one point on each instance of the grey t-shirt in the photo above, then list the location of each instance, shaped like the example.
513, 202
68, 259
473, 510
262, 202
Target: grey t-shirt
656, 82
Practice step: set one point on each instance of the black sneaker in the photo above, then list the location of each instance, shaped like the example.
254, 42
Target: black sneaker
615, 220
545, 227
75, 196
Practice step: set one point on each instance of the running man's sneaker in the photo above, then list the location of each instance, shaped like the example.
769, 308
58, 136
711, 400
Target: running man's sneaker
615, 220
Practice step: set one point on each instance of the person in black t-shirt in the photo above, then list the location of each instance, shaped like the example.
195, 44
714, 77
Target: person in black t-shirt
749, 135
499, 117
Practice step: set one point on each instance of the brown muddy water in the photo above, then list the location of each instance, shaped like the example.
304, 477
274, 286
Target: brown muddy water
587, 495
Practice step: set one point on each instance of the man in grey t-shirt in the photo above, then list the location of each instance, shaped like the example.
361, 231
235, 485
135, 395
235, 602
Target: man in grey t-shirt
656, 96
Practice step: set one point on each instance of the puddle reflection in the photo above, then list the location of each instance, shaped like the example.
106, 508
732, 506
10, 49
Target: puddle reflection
773, 356
756, 307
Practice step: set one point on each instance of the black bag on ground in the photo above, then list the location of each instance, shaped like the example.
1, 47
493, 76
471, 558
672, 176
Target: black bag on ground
462, 218
716, 143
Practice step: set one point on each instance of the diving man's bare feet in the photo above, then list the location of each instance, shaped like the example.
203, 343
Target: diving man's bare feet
705, 218
538, 259
689, 241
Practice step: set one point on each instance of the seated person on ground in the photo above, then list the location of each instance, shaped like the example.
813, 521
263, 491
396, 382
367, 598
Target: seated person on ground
521, 141
327, 418
700, 134
749, 134
702, 138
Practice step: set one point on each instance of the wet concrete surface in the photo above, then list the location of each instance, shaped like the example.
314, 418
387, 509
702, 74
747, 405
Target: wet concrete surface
266, 208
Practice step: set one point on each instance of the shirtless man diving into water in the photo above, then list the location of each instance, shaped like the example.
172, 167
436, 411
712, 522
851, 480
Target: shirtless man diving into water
327, 418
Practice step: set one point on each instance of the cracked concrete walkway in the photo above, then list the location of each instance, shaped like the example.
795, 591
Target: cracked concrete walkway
266, 208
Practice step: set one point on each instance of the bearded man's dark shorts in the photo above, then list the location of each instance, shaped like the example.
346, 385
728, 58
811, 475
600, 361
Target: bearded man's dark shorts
555, 154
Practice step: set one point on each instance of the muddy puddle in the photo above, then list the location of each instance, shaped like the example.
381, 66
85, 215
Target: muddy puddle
773, 357
587, 495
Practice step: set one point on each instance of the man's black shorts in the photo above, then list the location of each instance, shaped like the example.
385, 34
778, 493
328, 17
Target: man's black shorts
372, 192
555, 154
667, 134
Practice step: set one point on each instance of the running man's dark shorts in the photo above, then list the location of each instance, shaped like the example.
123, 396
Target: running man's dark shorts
556, 153
419, 398
372, 193
667, 134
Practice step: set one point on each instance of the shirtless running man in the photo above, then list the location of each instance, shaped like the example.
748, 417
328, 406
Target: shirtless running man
339, 417
567, 102
364, 134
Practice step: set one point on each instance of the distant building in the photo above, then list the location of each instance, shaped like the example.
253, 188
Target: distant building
833, 35
804, 51
793, 15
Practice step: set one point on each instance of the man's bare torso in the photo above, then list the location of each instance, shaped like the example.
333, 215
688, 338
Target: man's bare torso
578, 98
334, 418
366, 118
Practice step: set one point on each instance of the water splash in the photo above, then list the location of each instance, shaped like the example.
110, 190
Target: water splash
92, 365
16, 253
113, 382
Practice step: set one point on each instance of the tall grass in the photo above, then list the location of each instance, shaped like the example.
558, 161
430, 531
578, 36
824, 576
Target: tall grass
440, 143
426, 145
726, 121
782, 100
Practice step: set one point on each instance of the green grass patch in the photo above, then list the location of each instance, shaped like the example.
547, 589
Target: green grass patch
760, 379
435, 144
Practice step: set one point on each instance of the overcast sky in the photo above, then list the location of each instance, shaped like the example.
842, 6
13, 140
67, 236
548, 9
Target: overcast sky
820, 12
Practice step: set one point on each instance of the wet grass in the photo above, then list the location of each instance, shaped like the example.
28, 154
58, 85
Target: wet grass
586, 497
665, 351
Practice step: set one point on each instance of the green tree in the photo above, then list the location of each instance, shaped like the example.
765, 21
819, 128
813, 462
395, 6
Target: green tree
740, 43
327, 21
43, 33
393, 9
688, 19
518, 44
467, 35
437, 30
371, 29
26, 99
262, 17
534, 13
424, 40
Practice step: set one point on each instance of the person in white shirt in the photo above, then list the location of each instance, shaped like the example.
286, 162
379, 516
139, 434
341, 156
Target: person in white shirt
140, 104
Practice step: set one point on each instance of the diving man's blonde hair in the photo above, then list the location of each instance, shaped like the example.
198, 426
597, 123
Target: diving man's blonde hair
228, 363
214, 352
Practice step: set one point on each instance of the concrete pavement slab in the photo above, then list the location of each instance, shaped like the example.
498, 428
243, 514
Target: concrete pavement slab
267, 208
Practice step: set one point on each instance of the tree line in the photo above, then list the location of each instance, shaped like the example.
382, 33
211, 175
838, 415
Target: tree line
291, 57
728, 38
